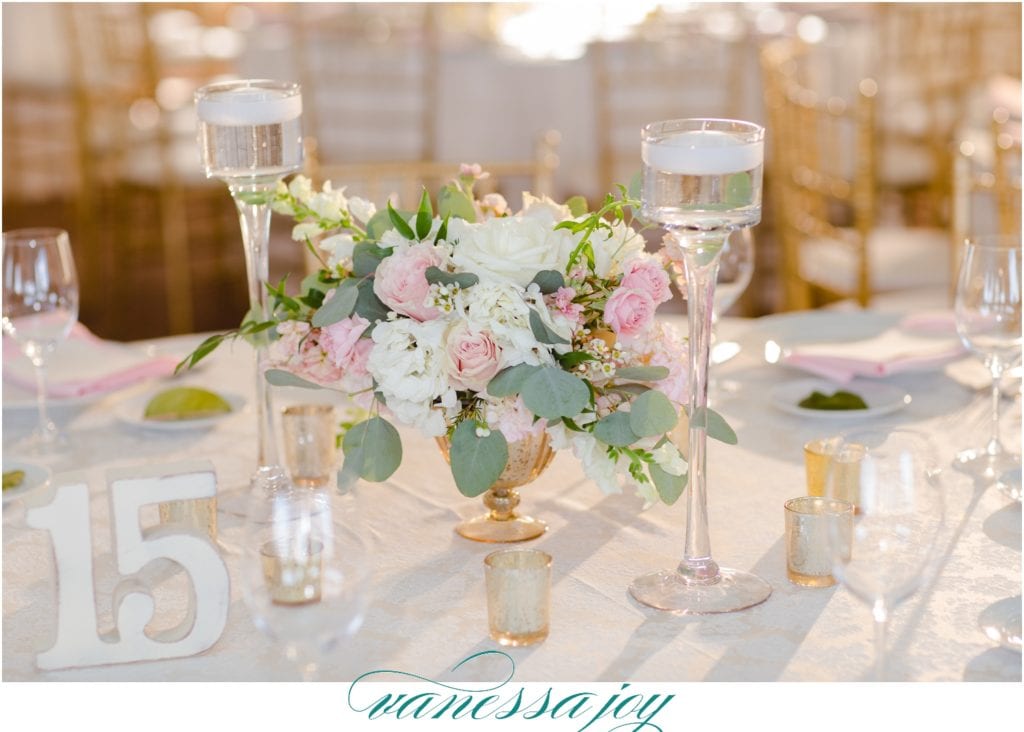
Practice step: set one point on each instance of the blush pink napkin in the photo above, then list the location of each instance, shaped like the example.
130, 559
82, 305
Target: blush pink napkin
921, 342
85, 365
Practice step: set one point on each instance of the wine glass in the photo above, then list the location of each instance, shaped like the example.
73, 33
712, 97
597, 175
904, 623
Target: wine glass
988, 321
40, 308
305, 567
893, 479
701, 181
250, 136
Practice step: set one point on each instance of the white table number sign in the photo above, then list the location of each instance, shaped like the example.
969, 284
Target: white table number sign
63, 511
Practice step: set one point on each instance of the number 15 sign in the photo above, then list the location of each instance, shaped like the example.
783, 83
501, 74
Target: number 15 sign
64, 512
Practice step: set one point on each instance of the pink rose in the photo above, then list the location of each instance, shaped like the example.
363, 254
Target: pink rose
629, 312
341, 339
299, 350
648, 275
472, 358
401, 284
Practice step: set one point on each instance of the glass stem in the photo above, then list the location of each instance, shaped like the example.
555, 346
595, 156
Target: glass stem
47, 429
881, 614
254, 217
701, 254
995, 367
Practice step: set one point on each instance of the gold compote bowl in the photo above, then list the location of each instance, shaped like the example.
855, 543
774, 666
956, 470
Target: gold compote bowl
527, 459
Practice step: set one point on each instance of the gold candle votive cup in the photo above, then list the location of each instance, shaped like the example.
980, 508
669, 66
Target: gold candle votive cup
309, 443
832, 475
195, 513
292, 575
518, 595
818, 530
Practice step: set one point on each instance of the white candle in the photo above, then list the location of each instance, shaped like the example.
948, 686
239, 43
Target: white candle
249, 106
703, 152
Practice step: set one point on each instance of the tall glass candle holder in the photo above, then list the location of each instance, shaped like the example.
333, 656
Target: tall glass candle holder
701, 181
250, 136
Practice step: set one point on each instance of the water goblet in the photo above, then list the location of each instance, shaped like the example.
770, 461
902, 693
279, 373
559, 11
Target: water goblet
305, 567
892, 549
988, 321
701, 181
250, 136
40, 307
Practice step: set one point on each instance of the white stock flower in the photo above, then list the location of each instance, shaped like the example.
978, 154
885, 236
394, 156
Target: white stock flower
301, 188
670, 460
407, 362
328, 204
511, 249
307, 230
338, 248
361, 209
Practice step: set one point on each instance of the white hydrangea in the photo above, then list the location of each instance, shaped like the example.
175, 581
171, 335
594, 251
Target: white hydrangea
407, 362
500, 307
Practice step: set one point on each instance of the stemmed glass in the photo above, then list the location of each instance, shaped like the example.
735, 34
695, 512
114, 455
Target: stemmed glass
988, 320
305, 568
40, 308
250, 136
701, 181
893, 479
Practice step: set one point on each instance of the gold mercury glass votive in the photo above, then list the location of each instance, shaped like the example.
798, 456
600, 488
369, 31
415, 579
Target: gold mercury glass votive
816, 530
292, 574
309, 443
835, 476
195, 513
518, 595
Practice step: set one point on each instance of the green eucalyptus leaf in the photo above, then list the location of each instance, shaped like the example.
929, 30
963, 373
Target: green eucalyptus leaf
577, 206
669, 486
400, 224
615, 430
379, 223
509, 381
338, 307
351, 467
453, 202
652, 414
366, 257
424, 216
551, 392
542, 332
280, 377
636, 182
369, 306
477, 462
715, 425
464, 280
312, 281
378, 448
642, 373
548, 280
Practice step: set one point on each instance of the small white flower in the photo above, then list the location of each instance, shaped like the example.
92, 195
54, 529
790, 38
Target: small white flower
338, 248
301, 188
668, 459
361, 209
307, 230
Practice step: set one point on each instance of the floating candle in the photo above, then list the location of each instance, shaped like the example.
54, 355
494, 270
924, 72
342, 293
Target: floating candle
249, 106
702, 152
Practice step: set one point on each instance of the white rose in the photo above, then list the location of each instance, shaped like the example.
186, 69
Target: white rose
511, 249
544, 209
612, 250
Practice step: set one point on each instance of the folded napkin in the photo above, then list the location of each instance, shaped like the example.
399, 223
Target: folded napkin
895, 351
85, 365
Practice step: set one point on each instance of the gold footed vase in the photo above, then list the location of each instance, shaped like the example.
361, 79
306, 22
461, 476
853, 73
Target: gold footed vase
527, 459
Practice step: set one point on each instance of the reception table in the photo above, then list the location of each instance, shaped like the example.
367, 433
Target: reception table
428, 608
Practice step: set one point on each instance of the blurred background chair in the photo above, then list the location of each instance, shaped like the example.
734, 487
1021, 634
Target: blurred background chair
823, 155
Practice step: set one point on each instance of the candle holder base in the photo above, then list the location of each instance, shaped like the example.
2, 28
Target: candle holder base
669, 590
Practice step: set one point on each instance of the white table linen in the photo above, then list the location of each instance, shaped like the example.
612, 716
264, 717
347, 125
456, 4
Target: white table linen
429, 606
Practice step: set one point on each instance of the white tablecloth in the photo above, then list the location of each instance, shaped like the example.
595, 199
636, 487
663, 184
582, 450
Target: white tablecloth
429, 608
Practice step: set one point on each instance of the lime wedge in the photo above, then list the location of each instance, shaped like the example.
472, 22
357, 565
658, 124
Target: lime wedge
13, 478
185, 402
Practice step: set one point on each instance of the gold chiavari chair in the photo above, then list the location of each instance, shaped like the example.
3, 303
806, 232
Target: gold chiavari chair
824, 164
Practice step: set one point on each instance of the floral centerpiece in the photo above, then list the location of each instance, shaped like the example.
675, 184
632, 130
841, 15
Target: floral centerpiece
485, 326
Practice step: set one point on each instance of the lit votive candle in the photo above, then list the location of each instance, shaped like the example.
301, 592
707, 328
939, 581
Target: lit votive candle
292, 574
518, 595
817, 531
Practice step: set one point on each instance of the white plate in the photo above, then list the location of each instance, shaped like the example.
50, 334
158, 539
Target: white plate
881, 398
130, 411
36, 476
